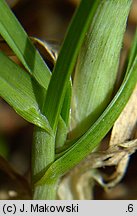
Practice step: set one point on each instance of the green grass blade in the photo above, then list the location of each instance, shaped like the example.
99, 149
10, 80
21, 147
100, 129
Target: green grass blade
65, 111
63, 124
21, 92
133, 52
66, 60
17, 39
94, 135
97, 65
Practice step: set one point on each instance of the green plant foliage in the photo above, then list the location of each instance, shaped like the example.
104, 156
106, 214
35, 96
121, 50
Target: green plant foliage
97, 64
94, 135
63, 124
133, 53
44, 99
16, 37
21, 92
67, 59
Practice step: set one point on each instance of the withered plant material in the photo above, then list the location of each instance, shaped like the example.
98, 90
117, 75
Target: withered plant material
49, 50
124, 130
80, 180
46, 171
125, 125
73, 187
84, 174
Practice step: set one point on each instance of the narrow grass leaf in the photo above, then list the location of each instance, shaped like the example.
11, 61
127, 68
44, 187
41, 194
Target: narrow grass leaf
66, 60
65, 111
94, 135
16, 37
21, 92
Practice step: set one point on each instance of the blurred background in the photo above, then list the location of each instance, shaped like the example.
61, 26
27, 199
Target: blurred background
47, 20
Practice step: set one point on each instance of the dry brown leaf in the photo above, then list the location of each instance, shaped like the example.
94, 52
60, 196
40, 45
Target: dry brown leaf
64, 190
79, 181
75, 187
49, 50
125, 125
123, 130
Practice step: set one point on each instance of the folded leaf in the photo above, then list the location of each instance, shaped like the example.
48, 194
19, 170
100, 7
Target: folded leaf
97, 64
21, 92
